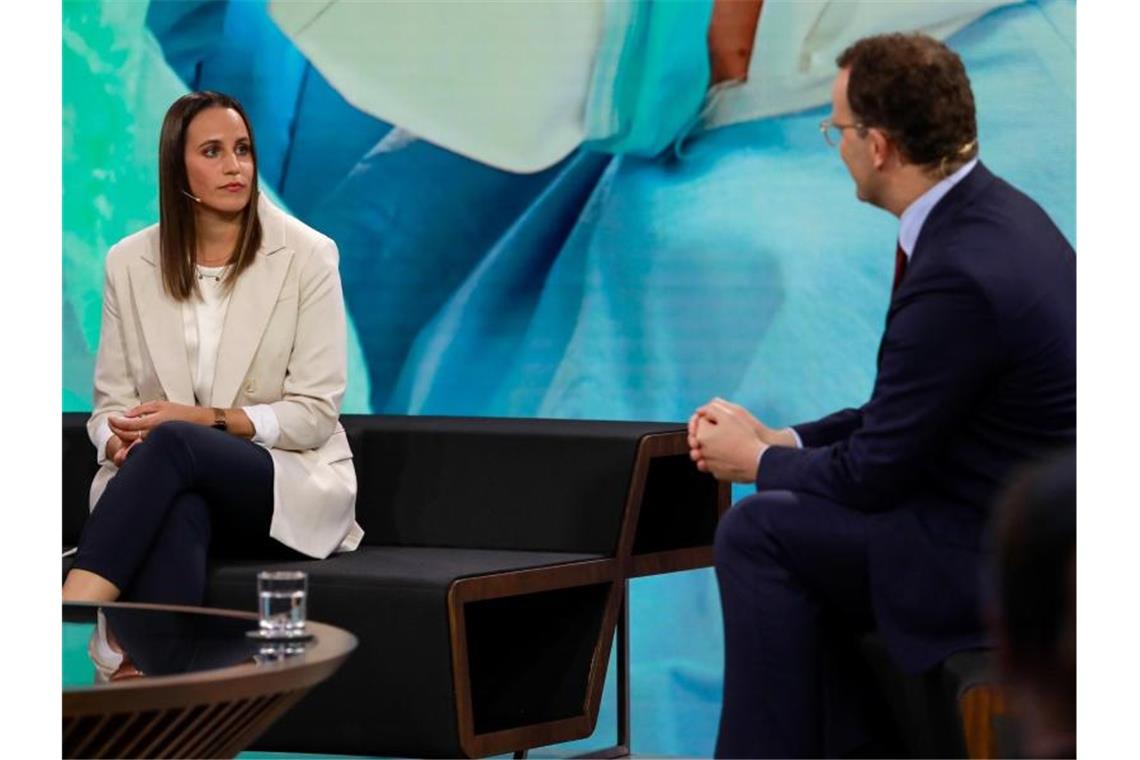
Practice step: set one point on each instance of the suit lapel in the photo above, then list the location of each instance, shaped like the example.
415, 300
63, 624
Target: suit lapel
162, 328
251, 305
942, 214
947, 208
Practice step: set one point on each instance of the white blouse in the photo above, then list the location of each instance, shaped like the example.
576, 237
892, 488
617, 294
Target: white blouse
202, 320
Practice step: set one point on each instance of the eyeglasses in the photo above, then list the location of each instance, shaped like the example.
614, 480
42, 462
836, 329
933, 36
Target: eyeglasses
833, 131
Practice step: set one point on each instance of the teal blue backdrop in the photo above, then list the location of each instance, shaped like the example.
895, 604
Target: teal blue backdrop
606, 286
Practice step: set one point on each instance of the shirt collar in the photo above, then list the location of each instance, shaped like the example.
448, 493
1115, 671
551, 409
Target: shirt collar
911, 221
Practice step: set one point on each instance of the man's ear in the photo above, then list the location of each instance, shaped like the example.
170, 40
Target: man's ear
881, 148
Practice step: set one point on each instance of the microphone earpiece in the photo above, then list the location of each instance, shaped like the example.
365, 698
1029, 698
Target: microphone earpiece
194, 198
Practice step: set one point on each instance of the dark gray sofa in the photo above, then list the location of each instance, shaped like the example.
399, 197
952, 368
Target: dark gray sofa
491, 580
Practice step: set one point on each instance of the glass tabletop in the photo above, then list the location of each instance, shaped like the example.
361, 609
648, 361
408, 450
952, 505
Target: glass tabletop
113, 644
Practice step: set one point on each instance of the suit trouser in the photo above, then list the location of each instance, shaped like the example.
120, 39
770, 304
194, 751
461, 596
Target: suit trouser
792, 572
184, 494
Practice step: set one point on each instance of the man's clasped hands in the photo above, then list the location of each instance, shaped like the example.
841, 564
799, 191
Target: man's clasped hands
725, 439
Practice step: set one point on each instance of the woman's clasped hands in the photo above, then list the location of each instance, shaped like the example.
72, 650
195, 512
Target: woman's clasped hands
133, 426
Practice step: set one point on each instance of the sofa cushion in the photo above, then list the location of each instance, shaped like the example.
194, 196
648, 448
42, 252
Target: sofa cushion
396, 692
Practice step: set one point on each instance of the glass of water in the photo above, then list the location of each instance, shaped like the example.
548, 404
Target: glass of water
281, 602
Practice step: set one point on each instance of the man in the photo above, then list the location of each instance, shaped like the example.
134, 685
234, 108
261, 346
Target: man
872, 517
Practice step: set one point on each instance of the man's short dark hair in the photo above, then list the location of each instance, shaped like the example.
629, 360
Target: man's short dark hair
914, 88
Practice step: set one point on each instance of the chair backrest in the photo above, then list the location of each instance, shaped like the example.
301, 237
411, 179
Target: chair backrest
486, 483
494, 483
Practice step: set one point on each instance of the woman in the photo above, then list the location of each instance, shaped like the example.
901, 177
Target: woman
218, 380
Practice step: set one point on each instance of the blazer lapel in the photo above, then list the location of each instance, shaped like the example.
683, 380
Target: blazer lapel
251, 305
162, 328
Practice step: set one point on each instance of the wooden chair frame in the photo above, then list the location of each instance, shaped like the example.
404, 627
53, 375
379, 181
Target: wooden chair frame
615, 572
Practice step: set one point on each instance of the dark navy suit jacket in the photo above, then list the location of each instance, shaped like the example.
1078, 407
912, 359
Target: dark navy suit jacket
976, 375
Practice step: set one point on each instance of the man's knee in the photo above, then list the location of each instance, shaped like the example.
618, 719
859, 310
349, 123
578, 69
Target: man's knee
748, 528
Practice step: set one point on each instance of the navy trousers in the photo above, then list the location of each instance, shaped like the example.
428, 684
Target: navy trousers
792, 573
184, 494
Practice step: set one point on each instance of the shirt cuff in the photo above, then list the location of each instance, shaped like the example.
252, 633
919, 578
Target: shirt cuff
266, 429
799, 441
102, 435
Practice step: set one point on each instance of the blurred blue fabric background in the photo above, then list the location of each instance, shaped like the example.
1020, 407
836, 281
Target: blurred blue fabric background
607, 286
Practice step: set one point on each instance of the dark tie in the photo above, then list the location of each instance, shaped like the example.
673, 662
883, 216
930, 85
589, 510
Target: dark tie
900, 267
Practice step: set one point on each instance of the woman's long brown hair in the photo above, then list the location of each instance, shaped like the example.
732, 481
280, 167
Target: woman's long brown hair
178, 240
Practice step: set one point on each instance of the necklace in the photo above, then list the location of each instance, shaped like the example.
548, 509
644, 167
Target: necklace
217, 273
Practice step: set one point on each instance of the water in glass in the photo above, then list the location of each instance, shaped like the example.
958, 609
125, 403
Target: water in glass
281, 602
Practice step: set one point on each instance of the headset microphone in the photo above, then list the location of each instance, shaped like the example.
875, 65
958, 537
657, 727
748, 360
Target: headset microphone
194, 198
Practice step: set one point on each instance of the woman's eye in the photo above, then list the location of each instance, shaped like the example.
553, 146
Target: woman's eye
210, 152
242, 150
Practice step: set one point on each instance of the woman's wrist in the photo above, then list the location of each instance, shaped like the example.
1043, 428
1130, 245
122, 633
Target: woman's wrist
204, 415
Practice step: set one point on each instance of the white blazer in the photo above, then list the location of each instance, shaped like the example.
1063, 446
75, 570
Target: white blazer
284, 343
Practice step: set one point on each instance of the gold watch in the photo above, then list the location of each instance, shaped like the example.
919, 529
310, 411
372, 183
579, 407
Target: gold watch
220, 420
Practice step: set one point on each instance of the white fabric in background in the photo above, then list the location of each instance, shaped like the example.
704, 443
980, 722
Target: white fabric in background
796, 44
504, 83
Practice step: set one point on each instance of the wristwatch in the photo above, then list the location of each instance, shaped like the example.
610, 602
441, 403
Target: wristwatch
220, 420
